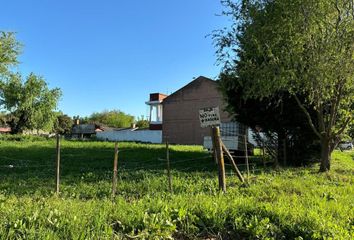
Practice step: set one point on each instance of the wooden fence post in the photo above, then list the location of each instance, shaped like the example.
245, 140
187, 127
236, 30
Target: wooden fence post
57, 182
115, 169
168, 168
213, 145
246, 156
220, 157
228, 154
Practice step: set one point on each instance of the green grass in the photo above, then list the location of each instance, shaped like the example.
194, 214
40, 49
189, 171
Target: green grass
293, 203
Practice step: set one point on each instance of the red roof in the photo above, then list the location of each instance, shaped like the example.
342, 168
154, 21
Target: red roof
5, 129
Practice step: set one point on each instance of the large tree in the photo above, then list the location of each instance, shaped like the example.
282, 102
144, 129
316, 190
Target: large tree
112, 118
9, 50
30, 102
302, 47
278, 117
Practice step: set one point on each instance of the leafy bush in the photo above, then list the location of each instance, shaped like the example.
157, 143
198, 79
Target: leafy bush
22, 138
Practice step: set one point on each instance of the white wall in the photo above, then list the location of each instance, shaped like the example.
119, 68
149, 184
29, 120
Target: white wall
231, 142
152, 136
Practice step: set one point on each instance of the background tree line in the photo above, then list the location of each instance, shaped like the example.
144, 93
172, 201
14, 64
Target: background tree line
27, 103
114, 119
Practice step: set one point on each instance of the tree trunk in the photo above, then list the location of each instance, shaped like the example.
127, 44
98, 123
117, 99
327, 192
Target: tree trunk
325, 155
17, 125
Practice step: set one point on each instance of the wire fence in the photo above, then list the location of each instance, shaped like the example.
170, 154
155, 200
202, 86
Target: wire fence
158, 161
47, 166
125, 165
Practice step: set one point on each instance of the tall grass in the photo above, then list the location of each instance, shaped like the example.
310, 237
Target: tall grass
293, 203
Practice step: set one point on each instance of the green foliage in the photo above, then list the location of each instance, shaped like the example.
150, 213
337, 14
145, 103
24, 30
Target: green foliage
302, 47
9, 50
351, 131
22, 138
277, 117
4, 118
113, 118
31, 102
286, 204
63, 124
142, 123
82, 120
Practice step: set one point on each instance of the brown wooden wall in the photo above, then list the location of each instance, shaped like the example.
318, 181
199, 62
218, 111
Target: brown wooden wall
181, 111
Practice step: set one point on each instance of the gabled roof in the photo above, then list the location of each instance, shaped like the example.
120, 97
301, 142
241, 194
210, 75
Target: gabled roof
84, 129
198, 81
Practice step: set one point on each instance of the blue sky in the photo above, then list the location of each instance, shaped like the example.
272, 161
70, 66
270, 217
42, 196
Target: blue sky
112, 54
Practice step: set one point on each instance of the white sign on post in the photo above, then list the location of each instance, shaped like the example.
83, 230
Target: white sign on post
209, 117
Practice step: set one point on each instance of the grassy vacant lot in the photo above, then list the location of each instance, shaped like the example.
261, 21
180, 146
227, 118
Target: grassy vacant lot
294, 203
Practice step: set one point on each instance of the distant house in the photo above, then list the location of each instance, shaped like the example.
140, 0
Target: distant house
181, 123
175, 118
4, 130
85, 130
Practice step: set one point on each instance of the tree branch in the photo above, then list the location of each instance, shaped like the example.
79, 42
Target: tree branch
334, 107
339, 19
320, 119
343, 127
308, 117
